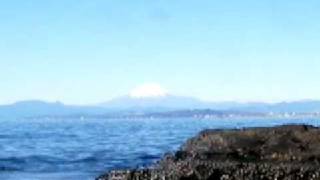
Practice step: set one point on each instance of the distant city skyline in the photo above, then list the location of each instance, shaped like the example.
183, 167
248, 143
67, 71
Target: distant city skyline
85, 52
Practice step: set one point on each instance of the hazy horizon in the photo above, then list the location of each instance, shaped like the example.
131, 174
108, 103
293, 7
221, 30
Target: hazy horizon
152, 97
85, 52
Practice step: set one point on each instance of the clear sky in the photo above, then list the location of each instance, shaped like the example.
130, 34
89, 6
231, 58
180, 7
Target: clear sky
87, 51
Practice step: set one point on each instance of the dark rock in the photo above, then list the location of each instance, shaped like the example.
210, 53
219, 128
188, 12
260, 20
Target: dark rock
283, 152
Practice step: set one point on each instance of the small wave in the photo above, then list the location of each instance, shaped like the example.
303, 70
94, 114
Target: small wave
7, 168
148, 157
43, 159
5, 136
13, 160
11, 164
86, 159
33, 159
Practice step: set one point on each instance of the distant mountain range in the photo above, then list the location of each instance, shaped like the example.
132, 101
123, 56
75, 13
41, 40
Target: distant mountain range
170, 102
40, 108
305, 106
158, 103
168, 105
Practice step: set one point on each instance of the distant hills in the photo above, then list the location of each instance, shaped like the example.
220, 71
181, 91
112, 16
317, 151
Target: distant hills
306, 106
40, 108
170, 102
159, 103
160, 106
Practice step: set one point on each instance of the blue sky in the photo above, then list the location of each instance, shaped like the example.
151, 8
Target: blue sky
81, 51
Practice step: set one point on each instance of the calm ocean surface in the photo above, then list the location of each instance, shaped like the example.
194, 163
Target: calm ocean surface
83, 149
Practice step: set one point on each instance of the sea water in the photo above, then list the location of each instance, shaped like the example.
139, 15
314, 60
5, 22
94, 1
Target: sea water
67, 149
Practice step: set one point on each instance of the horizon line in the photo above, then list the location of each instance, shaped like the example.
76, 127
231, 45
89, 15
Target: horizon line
199, 99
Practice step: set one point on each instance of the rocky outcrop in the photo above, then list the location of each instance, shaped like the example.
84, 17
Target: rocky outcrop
283, 152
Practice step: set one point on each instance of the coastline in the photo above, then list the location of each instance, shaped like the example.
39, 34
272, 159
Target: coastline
281, 152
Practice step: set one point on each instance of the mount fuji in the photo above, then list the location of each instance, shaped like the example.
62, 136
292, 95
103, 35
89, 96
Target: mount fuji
151, 98
154, 98
158, 103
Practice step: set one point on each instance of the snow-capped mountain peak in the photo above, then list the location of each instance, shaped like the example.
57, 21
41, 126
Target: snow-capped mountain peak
149, 90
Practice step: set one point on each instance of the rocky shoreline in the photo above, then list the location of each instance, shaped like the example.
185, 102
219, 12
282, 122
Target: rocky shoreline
286, 152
